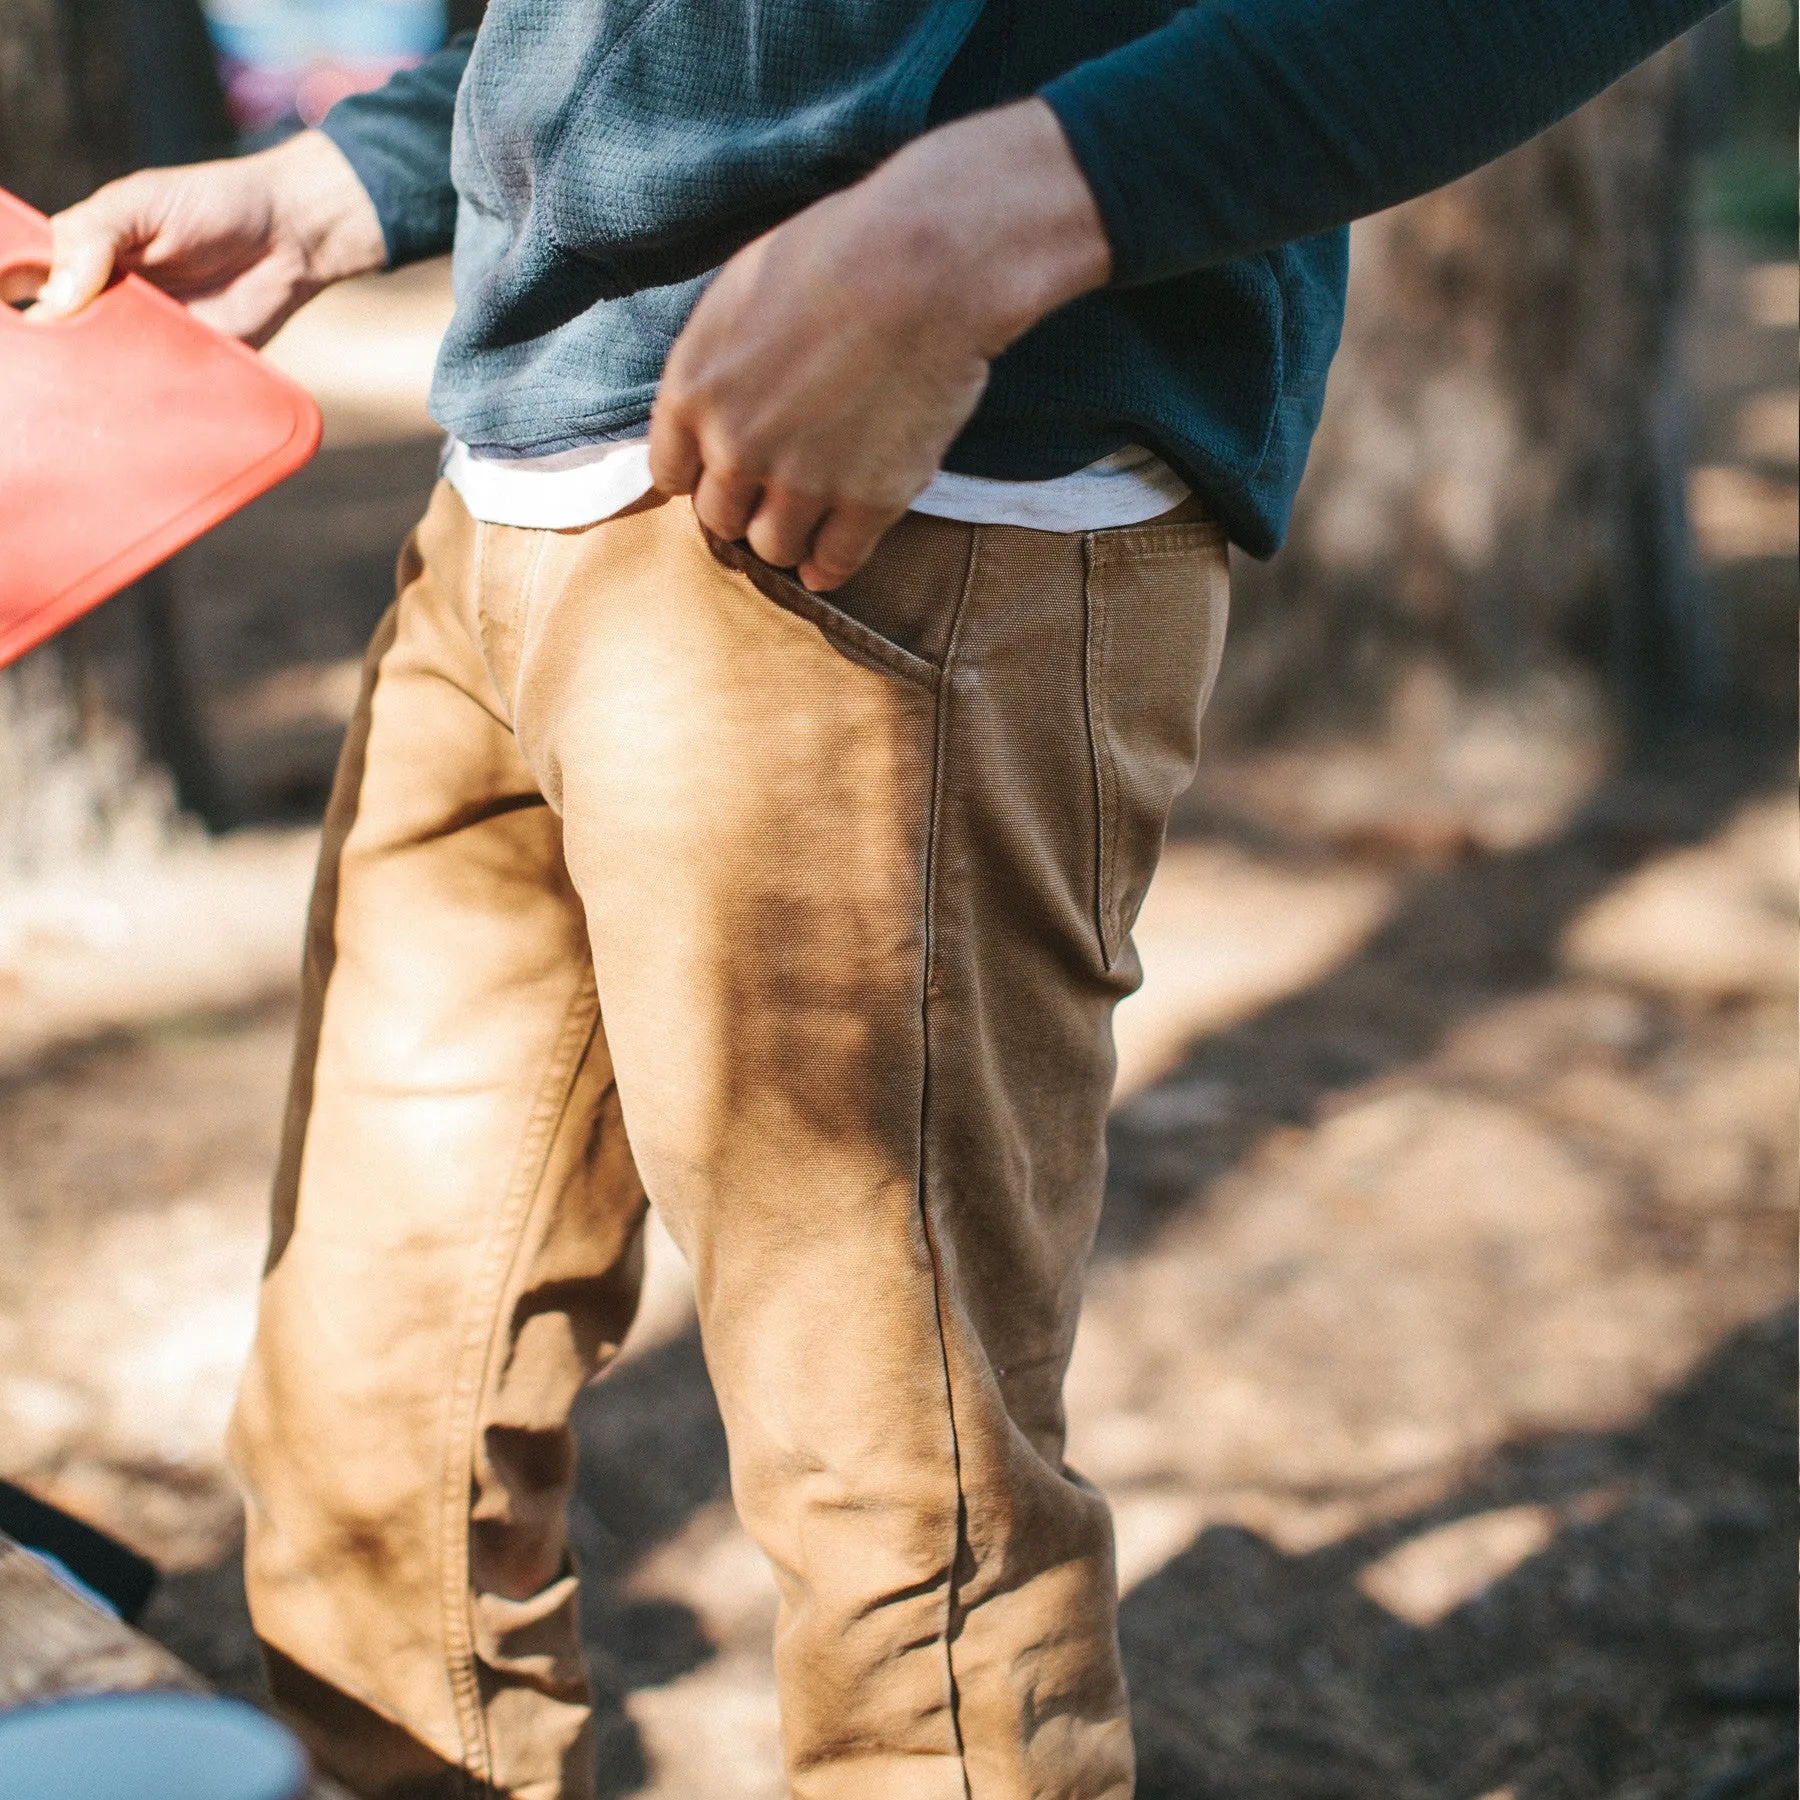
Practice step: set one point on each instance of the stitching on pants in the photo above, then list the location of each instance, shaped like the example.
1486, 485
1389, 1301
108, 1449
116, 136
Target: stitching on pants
472, 1357
846, 633
938, 758
1092, 674
491, 631
1100, 736
527, 599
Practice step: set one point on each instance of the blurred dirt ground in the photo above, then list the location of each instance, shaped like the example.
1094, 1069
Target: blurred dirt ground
1438, 1358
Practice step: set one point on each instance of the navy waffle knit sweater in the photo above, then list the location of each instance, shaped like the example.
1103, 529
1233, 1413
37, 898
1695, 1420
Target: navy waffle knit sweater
595, 159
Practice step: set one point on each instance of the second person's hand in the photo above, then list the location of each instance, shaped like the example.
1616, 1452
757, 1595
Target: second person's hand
244, 243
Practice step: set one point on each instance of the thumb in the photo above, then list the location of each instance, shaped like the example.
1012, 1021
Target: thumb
88, 240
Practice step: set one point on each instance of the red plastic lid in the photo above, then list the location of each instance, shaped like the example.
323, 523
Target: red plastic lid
125, 432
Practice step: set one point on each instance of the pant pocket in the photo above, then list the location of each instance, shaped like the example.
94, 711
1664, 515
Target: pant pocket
1157, 598
896, 613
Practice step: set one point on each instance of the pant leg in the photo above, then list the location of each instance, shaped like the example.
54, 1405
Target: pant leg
859, 876
456, 1245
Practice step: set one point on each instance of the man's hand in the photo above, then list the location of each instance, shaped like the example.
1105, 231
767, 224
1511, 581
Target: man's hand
245, 243
824, 373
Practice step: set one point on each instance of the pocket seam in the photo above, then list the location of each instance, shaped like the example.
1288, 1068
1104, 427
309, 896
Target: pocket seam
1106, 777
1104, 551
853, 639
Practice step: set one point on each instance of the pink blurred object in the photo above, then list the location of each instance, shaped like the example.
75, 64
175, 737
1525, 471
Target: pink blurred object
261, 95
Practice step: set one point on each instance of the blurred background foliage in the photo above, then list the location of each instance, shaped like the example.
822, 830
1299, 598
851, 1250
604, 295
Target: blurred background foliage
1747, 178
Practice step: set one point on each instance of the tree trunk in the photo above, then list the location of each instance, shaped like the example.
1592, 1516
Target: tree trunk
1497, 487
64, 111
97, 741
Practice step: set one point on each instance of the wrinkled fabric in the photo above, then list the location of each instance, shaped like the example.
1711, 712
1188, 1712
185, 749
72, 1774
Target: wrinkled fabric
650, 878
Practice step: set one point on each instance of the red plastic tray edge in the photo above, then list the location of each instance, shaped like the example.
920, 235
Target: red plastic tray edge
63, 608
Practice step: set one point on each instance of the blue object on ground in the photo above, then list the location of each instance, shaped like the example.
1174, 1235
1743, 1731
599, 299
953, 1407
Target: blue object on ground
147, 1747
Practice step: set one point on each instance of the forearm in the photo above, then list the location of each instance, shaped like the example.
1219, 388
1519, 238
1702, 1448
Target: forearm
397, 139
1240, 126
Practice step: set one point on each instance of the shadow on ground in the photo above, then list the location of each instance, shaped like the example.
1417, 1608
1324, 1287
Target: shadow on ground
272, 611
1647, 1651
1461, 939
652, 1453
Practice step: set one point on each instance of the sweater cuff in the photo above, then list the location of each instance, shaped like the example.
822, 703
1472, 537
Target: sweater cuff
1087, 139
397, 139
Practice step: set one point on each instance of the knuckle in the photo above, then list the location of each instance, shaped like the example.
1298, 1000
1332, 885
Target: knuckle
670, 460
674, 393
727, 468
718, 514
770, 546
111, 210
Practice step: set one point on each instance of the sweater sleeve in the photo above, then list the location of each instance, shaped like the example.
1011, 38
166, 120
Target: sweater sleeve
1242, 124
398, 141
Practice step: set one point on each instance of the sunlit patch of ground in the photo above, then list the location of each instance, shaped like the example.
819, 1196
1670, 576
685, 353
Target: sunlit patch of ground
1538, 1228
201, 929
133, 1205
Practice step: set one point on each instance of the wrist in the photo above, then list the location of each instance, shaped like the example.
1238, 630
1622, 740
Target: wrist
324, 210
1002, 216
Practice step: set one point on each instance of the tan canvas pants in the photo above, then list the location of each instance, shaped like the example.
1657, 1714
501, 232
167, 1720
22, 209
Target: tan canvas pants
649, 874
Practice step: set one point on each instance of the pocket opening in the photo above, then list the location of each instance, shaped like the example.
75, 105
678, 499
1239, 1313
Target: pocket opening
849, 635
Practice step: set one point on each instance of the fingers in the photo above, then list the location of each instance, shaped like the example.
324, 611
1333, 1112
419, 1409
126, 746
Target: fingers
674, 450
825, 543
725, 503
787, 527
88, 240
782, 530
844, 543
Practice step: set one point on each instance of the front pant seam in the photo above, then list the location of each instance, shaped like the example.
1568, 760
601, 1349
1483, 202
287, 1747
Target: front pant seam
473, 1355
939, 758
506, 680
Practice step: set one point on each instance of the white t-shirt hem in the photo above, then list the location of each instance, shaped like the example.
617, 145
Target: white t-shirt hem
574, 488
